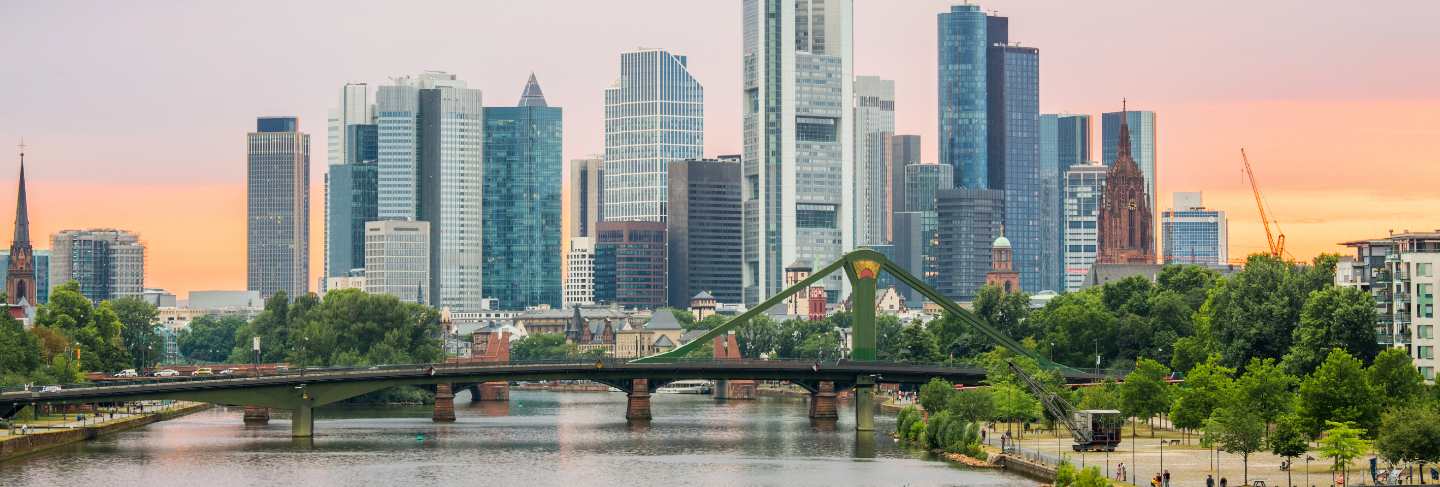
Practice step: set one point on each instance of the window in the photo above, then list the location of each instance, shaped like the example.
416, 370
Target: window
815, 129
1423, 269
815, 216
1425, 331
1425, 300
1425, 353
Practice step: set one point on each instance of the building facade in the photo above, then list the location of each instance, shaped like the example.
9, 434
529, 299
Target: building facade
973, 220
586, 196
41, 261
874, 127
1140, 125
580, 277
523, 167
1400, 272
1013, 110
963, 45
105, 263
1126, 224
1194, 234
916, 248
351, 199
1084, 187
923, 182
654, 114
798, 137
430, 169
904, 150
278, 207
630, 264
397, 259
703, 231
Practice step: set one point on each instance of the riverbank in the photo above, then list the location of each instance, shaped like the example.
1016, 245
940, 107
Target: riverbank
14, 446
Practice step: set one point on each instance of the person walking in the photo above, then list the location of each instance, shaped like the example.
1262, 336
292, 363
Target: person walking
1165, 478
1120, 472
1209, 480
1224, 483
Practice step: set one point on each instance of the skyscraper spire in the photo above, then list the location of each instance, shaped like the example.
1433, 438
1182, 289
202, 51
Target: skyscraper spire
532, 96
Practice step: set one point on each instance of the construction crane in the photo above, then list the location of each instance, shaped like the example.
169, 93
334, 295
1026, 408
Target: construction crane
1092, 429
1275, 238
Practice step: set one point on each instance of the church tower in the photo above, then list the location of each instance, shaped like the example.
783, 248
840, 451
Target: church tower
1127, 228
20, 276
1002, 265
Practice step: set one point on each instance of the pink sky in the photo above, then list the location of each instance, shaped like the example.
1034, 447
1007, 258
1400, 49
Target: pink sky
136, 114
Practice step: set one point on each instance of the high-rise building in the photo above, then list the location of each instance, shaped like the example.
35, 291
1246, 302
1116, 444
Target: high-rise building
586, 195
1064, 143
874, 127
1014, 157
1141, 128
397, 259
278, 204
1399, 271
798, 135
704, 231
963, 46
1072, 140
1084, 185
904, 150
430, 169
1127, 227
973, 220
630, 264
654, 114
21, 286
523, 167
106, 263
351, 200
1193, 234
923, 182
354, 108
912, 242
580, 278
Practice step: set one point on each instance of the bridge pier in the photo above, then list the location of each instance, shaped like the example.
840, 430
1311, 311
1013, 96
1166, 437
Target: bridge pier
638, 408
735, 389
302, 421
257, 415
444, 404
490, 391
822, 401
864, 404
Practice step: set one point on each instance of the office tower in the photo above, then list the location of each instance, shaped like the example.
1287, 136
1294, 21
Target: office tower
1126, 225
521, 236
973, 219
1084, 185
912, 243
798, 140
351, 200
874, 125
1052, 206
922, 182
21, 287
278, 204
630, 264
354, 108
106, 263
587, 196
1141, 128
654, 114
904, 150
1193, 234
1073, 140
580, 278
397, 259
704, 231
963, 46
430, 140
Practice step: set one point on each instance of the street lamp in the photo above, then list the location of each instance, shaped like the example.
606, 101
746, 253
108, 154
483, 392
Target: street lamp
1308, 458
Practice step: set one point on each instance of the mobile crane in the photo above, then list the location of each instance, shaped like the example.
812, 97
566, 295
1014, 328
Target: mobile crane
1092, 429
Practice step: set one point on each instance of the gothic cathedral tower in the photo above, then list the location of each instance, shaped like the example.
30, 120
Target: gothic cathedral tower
20, 276
1127, 229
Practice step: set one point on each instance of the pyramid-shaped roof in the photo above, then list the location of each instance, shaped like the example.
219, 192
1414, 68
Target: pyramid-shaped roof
532, 96
663, 319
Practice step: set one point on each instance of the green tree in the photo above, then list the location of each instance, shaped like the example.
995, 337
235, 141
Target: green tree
1091, 477
541, 346
1236, 430
1410, 434
209, 338
1395, 379
687, 320
820, 346
709, 322
1014, 404
1289, 441
934, 395
1103, 396
1266, 388
1065, 474
1340, 392
756, 337
19, 352
1145, 393
1207, 387
139, 319
1076, 326
96, 330
1129, 295
917, 345
887, 337
1189, 351
1004, 311
972, 404
1336, 317
1254, 312
1342, 444
1191, 282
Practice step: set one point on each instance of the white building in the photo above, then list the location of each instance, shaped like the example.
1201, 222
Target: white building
354, 108
798, 134
654, 114
1400, 273
874, 125
434, 175
1084, 185
580, 280
343, 282
1194, 234
397, 259
107, 263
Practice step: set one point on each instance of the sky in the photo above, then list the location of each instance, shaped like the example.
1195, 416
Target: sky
135, 114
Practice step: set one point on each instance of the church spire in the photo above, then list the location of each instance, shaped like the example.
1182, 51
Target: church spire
22, 213
1124, 145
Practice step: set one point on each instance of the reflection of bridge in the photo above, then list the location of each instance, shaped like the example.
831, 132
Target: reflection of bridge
302, 390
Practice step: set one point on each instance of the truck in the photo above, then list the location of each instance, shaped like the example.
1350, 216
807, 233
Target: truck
1091, 429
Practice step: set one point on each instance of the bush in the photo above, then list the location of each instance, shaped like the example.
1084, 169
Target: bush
1065, 474
1091, 477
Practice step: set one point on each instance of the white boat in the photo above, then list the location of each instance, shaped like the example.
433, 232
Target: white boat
689, 386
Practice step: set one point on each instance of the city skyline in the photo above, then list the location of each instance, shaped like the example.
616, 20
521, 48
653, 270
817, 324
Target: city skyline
82, 155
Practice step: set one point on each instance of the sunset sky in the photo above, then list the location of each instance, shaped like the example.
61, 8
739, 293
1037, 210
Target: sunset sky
136, 114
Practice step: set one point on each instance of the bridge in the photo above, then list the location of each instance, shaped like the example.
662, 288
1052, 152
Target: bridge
304, 389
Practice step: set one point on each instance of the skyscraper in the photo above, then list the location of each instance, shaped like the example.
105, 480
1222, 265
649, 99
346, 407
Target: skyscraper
654, 114
1064, 143
874, 125
923, 183
1084, 186
21, 287
586, 195
1194, 234
351, 200
630, 264
1141, 126
798, 135
704, 231
580, 272
904, 150
1126, 225
430, 169
354, 108
278, 204
1014, 154
397, 259
106, 263
521, 237
963, 46
973, 220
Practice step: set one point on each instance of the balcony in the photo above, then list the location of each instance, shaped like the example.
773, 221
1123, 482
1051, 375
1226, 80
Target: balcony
1384, 339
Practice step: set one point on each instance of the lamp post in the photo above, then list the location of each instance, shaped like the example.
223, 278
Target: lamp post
1308, 458
304, 348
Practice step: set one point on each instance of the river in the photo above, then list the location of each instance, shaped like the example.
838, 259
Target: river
536, 439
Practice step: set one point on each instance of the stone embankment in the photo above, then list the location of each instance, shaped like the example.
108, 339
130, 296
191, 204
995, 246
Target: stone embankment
20, 445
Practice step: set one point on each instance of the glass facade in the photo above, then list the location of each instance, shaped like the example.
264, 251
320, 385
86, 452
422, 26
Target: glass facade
973, 218
630, 264
1084, 185
278, 208
1193, 234
1014, 145
523, 167
874, 125
704, 231
963, 44
922, 182
654, 114
351, 199
105, 263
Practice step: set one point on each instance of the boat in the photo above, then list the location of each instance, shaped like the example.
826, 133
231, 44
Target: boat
689, 386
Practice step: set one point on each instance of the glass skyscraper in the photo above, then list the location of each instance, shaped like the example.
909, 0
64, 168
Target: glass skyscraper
1193, 234
923, 183
654, 114
973, 218
1014, 145
278, 208
350, 201
904, 150
963, 46
1084, 186
874, 125
523, 167
1142, 145
798, 135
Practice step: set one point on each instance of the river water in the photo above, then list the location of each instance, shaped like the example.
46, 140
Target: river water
536, 439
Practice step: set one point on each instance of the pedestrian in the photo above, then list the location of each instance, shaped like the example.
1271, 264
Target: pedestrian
1224, 483
1166, 478
1155, 481
1209, 480
1120, 472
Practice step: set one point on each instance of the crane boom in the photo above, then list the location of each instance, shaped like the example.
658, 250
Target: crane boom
1276, 242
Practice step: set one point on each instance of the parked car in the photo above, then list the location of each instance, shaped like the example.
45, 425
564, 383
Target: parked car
228, 372
50, 389
166, 373
202, 371
127, 373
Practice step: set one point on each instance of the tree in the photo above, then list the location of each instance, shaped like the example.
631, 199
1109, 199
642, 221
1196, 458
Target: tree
1103, 396
1342, 444
887, 337
1004, 311
540, 346
686, 319
1065, 474
758, 336
1289, 441
1253, 312
1014, 404
96, 330
1077, 326
1236, 430
973, 405
709, 322
1206, 388
820, 346
934, 395
1191, 282
139, 319
1091, 477
1189, 351
1340, 392
1395, 378
209, 338
19, 352
1410, 434
1266, 388
917, 345
1336, 317
1145, 392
